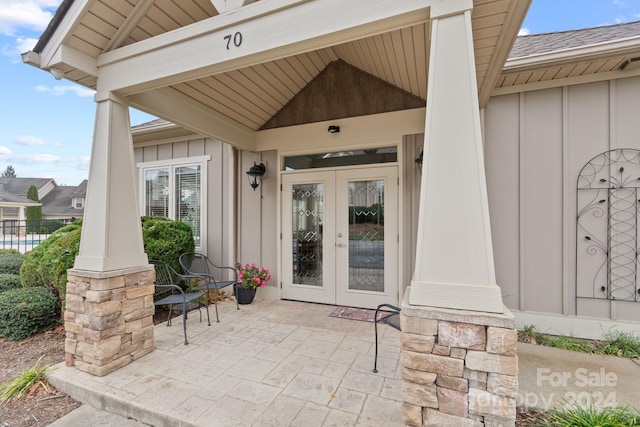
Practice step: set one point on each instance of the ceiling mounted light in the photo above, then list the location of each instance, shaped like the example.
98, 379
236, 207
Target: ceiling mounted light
57, 73
631, 64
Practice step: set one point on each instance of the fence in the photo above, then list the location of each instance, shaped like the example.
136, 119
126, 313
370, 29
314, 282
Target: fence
27, 234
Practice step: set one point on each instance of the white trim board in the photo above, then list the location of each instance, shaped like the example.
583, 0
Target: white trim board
579, 327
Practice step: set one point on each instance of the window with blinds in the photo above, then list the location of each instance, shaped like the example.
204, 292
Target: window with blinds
175, 192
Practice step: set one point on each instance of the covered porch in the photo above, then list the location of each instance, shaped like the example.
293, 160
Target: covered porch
230, 71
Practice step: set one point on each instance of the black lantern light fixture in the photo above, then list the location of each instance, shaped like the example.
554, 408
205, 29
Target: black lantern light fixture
419, 161
255, 174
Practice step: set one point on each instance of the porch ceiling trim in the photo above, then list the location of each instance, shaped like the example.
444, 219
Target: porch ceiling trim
566, 81
70, 19
502, 49
184, 111
144, 66
371, 130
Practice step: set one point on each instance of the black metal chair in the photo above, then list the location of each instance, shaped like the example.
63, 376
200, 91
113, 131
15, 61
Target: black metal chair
391, 318
169, 292
197, 264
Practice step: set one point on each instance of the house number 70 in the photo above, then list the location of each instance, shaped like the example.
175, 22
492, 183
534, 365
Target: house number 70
237, 39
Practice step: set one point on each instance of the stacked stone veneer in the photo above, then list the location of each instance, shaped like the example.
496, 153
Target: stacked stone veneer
459, 368
108, 318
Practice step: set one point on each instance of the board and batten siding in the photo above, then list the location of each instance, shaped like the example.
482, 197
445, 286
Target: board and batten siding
219, 222
258, 229
536, 143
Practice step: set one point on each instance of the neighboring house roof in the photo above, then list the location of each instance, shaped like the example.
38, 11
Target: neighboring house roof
58, 201
12, 200
20, 186
80, 190
549, 42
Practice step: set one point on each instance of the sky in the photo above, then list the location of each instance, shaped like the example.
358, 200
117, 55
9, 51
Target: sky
46, 125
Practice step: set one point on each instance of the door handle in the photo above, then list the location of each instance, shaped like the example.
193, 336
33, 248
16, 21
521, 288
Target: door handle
340, 245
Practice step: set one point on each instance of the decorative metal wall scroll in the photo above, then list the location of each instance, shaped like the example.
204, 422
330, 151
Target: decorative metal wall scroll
607, 226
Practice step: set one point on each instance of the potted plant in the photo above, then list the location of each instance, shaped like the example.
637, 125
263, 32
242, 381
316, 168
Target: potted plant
250, 278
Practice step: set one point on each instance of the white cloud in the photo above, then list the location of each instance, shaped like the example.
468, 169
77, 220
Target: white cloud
36, 158
4, 151
620, 3
25, 14
59, 90
524, 32
31, 141
21, 45
24, 44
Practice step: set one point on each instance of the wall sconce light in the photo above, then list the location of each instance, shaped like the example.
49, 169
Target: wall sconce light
57, 73
419, 161
255, 174
334, 129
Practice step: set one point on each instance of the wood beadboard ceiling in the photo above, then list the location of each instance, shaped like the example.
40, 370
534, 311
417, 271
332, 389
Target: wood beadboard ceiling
252, 95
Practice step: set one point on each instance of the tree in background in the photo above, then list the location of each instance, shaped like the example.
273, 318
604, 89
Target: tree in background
9, 172
34, 213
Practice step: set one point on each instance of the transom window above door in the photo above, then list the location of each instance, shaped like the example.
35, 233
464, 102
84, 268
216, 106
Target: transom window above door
174, 189
342, 158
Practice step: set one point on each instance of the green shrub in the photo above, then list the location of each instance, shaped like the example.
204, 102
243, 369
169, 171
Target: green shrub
10, 262
27, 311
9, 251
47, 264
9, 281
48, 226
166, 240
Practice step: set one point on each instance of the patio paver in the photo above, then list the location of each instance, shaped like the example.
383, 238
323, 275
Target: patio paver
256, 368
271, 363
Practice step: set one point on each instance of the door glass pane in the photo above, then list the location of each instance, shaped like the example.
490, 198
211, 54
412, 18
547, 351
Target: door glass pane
156, 192
366, 235
187, 183
306, 217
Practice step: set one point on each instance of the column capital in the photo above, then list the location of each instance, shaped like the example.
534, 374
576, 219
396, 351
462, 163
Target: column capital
444, 8
106, 95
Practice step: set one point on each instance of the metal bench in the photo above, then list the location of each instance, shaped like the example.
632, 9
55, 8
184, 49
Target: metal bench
200, 266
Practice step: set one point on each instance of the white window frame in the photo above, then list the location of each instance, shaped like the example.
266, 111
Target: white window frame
75, 202
172, 164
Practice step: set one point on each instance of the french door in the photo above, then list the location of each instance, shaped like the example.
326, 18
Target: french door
340, 236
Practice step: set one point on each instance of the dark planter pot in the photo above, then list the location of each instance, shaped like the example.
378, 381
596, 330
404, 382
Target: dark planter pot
244, 296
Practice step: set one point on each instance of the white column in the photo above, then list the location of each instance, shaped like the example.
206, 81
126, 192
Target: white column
111, 230
454, 256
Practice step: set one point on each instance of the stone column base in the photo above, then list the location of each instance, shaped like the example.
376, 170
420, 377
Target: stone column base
459, 368
108, 318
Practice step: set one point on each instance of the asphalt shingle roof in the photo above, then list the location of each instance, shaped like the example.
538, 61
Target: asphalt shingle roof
20, 186
58, 202
548, 42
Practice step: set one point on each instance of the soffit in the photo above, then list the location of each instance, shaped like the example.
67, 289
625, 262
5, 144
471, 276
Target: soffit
585, 53
252, 95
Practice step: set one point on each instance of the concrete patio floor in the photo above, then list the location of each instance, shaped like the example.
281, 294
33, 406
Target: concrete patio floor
285, 363
271, 363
